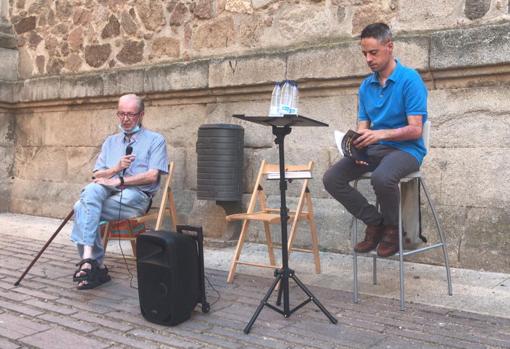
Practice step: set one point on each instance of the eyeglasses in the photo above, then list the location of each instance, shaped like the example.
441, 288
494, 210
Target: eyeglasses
123, 115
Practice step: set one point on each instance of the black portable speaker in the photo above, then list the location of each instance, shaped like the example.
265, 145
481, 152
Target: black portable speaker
170, 274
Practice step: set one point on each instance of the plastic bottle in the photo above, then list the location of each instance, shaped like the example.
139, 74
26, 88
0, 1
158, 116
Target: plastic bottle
274, 108
286, 98
293, 108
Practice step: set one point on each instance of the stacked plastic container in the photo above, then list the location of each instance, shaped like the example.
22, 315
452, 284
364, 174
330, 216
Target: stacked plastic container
285, 98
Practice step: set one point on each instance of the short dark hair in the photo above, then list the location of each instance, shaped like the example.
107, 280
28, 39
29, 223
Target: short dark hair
379, 31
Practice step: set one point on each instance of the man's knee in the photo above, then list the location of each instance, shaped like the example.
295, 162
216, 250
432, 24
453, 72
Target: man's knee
93, 189
383, 183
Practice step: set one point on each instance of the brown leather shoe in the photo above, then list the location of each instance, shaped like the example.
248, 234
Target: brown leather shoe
389, 243
373, 234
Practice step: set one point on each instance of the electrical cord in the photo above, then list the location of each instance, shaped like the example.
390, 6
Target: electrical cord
215, 290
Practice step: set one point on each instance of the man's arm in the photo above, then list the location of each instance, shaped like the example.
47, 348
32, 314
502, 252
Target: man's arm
123, 163
412, 131
148, 177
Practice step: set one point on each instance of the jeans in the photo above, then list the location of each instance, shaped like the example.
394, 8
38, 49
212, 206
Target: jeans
99, 203
388, 165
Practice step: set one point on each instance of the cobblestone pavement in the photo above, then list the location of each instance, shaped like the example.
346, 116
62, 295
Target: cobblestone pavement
46, 311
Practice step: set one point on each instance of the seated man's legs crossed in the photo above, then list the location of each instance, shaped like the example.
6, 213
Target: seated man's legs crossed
388, 166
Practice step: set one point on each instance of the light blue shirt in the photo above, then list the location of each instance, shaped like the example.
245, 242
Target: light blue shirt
149, 149
387, 107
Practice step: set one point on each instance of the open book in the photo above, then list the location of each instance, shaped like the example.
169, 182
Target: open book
346, 148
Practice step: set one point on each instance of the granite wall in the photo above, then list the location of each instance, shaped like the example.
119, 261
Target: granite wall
217, 58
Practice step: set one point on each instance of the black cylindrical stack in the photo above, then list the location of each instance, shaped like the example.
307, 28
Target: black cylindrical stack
220, 162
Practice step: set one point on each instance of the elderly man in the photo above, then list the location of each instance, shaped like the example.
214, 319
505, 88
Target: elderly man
391, 113
126, 176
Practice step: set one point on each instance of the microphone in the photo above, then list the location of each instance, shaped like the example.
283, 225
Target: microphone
129, 150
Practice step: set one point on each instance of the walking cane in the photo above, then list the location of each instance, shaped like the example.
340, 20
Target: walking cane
45, 246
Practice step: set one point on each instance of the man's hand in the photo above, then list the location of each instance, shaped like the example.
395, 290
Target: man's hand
111, 182
368, 137
362, 163
125, 162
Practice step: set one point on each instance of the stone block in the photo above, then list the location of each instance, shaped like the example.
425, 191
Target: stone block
436, 14
256, 136
174, 77
6, 91
7, 129
340, 61
41, 163
53, 199
81, 86
211, 216
179, 123
29, 129
178, 155
486, 237
191, 169
413, 52
38, 89
470, 47
213, 35
9, 59
474, 177
483, 111
60, 127
80, 163
123, 81
246, 71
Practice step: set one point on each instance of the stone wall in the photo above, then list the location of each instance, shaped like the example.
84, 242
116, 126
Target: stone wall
461, 48
70, 36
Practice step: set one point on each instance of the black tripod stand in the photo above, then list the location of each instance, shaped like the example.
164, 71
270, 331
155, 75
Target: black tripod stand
281, 128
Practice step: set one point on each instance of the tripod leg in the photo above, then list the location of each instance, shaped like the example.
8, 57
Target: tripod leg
262, 303
315, 300
279, 298
70, 214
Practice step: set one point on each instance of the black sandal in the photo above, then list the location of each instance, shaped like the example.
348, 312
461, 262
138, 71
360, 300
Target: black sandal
95, 277
93, 265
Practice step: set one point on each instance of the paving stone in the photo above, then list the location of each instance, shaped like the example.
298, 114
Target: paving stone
19, 308
14, 326
168, 339
7, 344
102, 322
128, 340
67, 322
58, 338
48, 306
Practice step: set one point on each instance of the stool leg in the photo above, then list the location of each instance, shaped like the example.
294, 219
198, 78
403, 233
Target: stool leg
354, 240
441, 237
374, 270
355, 262
401, 251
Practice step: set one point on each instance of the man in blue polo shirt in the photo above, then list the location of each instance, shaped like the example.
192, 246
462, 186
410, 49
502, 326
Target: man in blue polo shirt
392, 111
122, 187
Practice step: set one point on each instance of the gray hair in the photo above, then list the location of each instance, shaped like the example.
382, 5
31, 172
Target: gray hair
379, 31
139, 101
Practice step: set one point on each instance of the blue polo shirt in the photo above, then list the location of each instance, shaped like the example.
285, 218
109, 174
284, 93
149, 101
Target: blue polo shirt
149, 149
387, 107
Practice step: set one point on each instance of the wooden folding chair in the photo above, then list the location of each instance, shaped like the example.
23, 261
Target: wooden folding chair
129, 229
272, 216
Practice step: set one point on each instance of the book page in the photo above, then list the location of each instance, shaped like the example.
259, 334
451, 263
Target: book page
338, 140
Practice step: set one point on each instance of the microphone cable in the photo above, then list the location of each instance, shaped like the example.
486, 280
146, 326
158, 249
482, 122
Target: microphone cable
129, 150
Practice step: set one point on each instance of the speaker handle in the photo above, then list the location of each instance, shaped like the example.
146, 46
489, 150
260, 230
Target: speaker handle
197, 234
